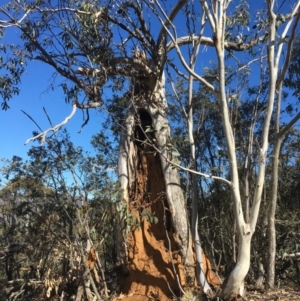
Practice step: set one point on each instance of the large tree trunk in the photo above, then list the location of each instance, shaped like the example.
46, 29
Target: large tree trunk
155, 257
147, 251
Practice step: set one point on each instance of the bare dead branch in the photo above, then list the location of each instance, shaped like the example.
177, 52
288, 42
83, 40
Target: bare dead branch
139, 13
48, 117
244, 67
289, 125
42, 136
175, 68
169, 20
85, 121
292, 255
32, 120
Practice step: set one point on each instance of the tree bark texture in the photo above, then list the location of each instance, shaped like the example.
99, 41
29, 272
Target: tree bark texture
271, 217
233, 285
148, 251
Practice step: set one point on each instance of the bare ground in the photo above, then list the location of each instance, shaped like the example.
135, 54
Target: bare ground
252, 294
282, 294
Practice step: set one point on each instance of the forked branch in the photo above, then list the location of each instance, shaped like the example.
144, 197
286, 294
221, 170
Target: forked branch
42, 136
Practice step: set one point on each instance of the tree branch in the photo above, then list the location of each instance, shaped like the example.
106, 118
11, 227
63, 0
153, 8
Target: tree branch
285, 31
289, 51
13, 22
89, 105
210, 42
138, 11
244, 66
42, 136
111, 67
169, 20
31, 119
288, 126
184, 63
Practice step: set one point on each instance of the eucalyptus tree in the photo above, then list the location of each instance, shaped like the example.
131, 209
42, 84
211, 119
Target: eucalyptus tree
125, 46
246, 228
290, 64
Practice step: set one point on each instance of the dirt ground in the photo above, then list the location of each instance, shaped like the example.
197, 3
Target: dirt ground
281, 294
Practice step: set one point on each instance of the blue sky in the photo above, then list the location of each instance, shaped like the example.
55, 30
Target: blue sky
16, 127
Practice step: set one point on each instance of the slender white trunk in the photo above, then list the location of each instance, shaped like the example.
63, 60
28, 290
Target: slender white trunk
274, 191
271, 218
279, 135
201, 278
234, 283
216, 14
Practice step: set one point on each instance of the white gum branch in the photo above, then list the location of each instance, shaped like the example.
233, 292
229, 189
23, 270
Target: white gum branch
273, 61
212, 20
55, 10
182, 60
265, 132
42, 136
293, 255
184, 168
285, 31
12, 22
198, 173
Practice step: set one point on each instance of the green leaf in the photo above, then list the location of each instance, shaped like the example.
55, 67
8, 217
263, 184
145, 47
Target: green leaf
148, 129
175, 153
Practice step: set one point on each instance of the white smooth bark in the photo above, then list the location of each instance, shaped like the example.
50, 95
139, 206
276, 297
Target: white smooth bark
217, 16
271, 218
279, 135
274, 191
200, 272
235, 281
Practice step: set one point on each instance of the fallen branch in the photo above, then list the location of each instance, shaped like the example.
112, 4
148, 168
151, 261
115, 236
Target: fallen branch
292, 255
